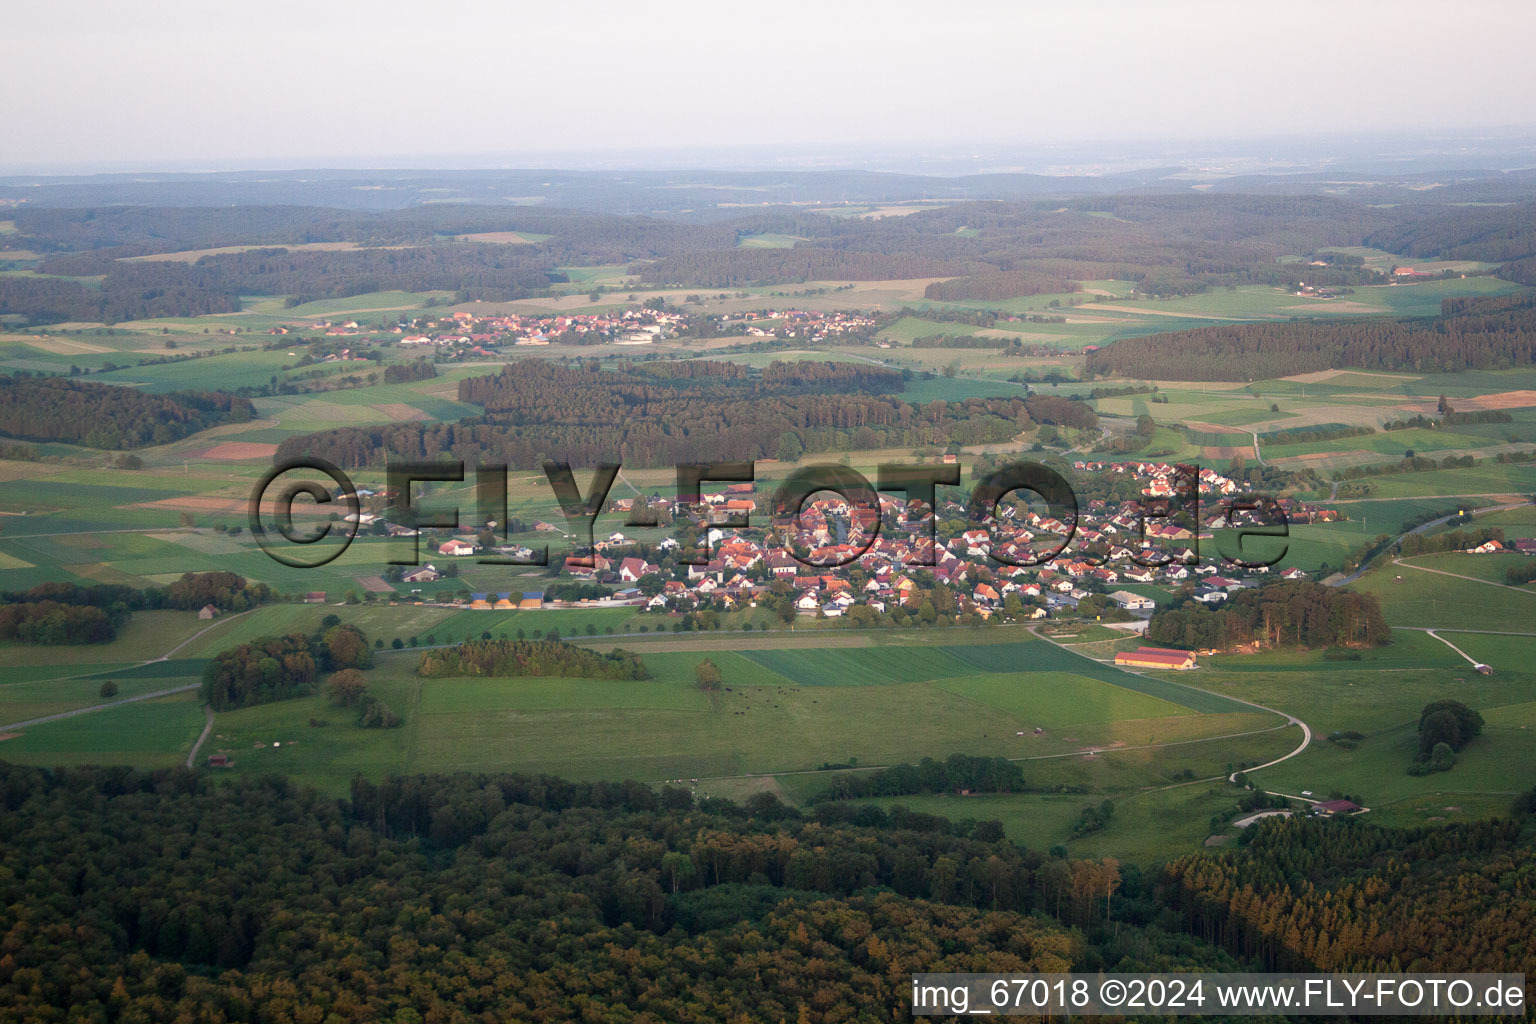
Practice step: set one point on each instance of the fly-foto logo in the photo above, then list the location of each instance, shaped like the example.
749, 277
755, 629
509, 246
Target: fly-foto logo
271, 511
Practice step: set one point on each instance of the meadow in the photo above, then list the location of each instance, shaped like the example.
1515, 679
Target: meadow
788, 704
1384, 704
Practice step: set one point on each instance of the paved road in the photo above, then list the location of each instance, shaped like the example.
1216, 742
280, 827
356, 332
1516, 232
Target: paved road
1473, 661
1290, 719
1423, 527
207, 728
1460, 576
98, 707
131, 700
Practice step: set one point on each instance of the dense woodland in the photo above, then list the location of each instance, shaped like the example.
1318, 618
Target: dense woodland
485, 898
1288, 614
537, 410
999, 286
107, 416
1339, 896
150, 897
1495, 334
132, 291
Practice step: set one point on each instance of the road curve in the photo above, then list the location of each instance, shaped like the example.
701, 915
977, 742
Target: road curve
1421, 528
1290, 719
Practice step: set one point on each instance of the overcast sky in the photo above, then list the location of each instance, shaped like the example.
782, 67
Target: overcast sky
170, 81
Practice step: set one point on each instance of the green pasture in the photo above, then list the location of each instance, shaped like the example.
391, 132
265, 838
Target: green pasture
148, 734
1414, 597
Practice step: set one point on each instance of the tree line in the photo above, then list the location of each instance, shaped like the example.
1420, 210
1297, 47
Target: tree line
954, 773
278, 667
57, 613
401, 373
1476, 337
998, 286
503, 658
1285, 614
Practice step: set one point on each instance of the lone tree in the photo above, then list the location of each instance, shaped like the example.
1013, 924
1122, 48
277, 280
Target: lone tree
708, 674
1447, 721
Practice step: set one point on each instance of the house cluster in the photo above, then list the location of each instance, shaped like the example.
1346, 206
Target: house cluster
837, 556
1520, 545
799, 323
330, 328
638, 326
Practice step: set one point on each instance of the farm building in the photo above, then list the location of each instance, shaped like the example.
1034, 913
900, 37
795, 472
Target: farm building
218, 760
1337, 807
1132, 602
426, 574
1156, 657
315, 597
208, 611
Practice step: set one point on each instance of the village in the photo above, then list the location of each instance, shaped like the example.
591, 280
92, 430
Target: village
843, 561
464, 333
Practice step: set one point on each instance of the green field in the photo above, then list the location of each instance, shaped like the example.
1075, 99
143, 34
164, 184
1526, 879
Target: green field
784, 707
1414, 597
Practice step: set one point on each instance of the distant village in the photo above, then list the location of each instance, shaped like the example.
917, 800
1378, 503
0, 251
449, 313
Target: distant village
470, 334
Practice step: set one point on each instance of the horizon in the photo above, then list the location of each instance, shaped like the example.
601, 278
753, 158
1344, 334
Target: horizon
1505, 148
348, 82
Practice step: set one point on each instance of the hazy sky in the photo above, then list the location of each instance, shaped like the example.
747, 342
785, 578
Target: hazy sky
152, 83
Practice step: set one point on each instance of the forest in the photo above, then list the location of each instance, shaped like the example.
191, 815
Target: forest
999, 286
1169, 245
1344, 896
1493, 335
107, 416
1286, 614
144, 897
224, 590
537, 410
128, 291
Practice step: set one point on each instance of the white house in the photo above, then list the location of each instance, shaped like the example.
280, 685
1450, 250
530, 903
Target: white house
1132, 602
